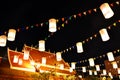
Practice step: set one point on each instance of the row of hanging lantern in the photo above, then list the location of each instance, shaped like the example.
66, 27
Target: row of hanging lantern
10, 37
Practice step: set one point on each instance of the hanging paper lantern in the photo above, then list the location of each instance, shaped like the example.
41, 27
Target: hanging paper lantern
104, 72
41, 45
110, 56
83, 69
97, 67
52, 25
15, 59
90, 72
61, 66
104, 34
118, 70
91, 62
79, 47
106, 10
114, 64
11, 34
58, 56
20, 61
73, 65
3, 40
26, 55
95, 72
71, 69
43, 60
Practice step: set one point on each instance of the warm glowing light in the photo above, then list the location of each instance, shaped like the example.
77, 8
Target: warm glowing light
114, 64
79, 47
61, 66
26, 55
41, 45
91, 62
95, 72
52, 25
73, 65
110, 56
58, 56
15, 59
106, 10
104, 72
90, 72
20, 61
104, 34
83, 69
97, 67
43, 60
3, 40
11, 34
71, 69
118, 70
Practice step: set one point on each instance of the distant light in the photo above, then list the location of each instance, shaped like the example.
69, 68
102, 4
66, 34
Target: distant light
106, 10
110, 56
79, 47
90, 72
11, 34
43, 60
91, 62
114, 64
104, 34
3, 40
83, 69
58, 56
26, 54
97, 68
15, 59
52, 25
41, 45
73, 65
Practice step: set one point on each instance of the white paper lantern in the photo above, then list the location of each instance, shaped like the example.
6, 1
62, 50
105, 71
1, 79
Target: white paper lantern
61, 66
15, 59
104, 72
71, 69
20, 61
106, 10
3, 40
95, 72
41, 45
114, 64
91, 62
90, 72
79, 47
118, 70
97, 68
104, 34
73, 65
52, 25
110, 56
58, 56
83, 69
43, 60
26, 55
11, 34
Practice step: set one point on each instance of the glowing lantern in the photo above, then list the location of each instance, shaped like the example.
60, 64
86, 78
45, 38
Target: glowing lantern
43, 60
104, 72
26, 55
15, 59
41, 45
106, 10
73, 65
83, 69
3, 40
90, 72
104, 35
32, 62
58, 56
91, 62
110, 56
52, 25
118, 70
114, 64
97, 67
95, 72
20, 61
11, 34
61, 66
71, 69
79, 47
